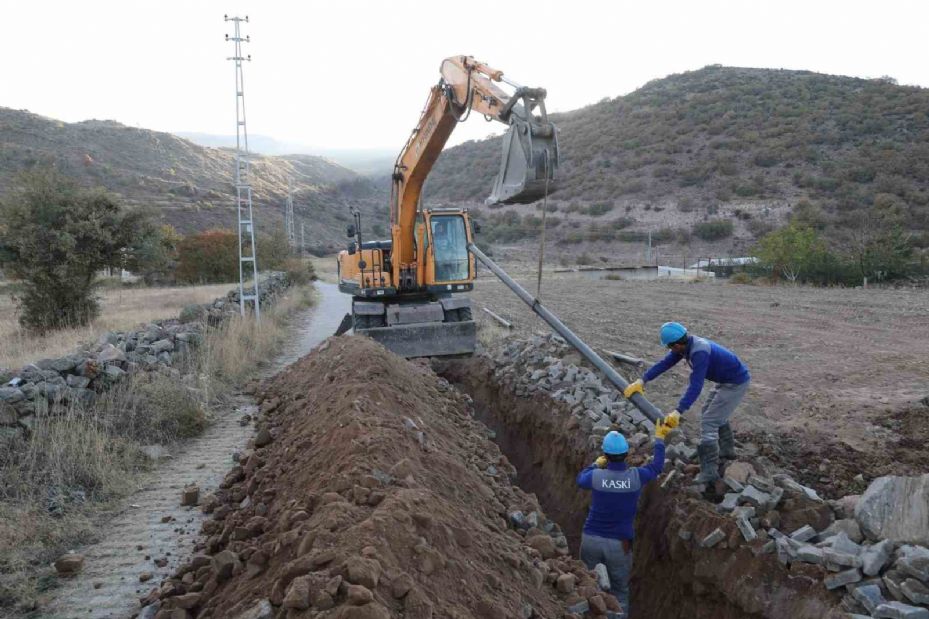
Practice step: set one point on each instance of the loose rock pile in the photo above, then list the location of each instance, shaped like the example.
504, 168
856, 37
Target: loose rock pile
371, 492
872, 548
76, 379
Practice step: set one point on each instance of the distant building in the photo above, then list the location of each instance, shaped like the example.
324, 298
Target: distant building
724, 267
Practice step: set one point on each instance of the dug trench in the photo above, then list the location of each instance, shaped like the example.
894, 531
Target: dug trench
372, 491
672, 575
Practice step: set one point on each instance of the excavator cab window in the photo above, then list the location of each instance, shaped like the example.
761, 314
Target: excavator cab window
450, 244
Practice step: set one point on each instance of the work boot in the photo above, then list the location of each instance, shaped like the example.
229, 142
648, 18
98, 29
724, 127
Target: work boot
709, 463
726, 442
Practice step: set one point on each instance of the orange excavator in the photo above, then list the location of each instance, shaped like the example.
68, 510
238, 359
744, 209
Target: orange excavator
406, 289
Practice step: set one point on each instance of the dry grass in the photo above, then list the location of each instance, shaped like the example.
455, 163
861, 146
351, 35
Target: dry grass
77, 461
121, 309
489, 331
325, 268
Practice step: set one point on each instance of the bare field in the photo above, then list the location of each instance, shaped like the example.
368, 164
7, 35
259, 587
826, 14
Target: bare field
121, 308
840, 376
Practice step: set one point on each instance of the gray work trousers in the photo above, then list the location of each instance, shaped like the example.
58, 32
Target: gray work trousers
719, 408
618, 562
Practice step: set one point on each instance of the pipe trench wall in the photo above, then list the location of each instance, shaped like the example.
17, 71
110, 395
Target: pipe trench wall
673, 576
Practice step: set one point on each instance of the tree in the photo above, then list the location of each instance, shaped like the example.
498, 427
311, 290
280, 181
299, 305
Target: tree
791, 251
208, 257
805, 213
56, 237
879, 246
273, 249
156, 258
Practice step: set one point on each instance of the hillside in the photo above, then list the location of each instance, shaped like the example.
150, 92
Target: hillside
745, 145
187, 185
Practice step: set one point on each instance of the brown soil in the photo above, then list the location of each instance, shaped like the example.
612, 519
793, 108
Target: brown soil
378, 485
839, 375
672, 577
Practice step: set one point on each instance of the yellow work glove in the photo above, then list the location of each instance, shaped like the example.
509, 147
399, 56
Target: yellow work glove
661, 429
673, 420
601, 462
634, 388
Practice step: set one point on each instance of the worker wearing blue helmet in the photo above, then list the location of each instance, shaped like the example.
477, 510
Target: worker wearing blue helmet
708, 361
608, 530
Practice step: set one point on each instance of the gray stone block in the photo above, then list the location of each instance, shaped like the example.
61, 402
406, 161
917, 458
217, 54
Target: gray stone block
765, 485
915, 591
603, 577
849, 526
834, 581
11, 395
899, 610
893, 582
869, 596
810, 554
729, 502
841, 543
803, 534
753, 496
874, 558
579, 607
835, 560
914, 560
747, 530
788, 483
896, 508
733, 484
713, 538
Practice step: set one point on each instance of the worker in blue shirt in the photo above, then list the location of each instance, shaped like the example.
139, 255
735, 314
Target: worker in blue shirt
609, 528
708, 361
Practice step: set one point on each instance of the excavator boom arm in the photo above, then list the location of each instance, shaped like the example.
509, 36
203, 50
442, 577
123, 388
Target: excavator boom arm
468, 85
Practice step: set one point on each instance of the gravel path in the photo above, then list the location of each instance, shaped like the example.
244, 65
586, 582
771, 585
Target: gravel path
152, 526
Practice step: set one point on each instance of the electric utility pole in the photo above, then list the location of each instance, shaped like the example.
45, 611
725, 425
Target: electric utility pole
248, 260
289, 216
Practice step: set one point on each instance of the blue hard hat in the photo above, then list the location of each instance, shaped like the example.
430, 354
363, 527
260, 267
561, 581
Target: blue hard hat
672, 332
615, 444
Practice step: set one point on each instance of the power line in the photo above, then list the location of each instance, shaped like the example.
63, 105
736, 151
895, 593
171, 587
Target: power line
248, 259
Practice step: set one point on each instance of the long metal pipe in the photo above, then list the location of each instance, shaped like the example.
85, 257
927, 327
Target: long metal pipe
648, 409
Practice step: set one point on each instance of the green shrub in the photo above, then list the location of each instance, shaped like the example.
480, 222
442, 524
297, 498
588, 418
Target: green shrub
55, 236
713, 230
596, 210
300, 271
741, 278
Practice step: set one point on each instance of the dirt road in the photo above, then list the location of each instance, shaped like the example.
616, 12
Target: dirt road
840, 376
153, 526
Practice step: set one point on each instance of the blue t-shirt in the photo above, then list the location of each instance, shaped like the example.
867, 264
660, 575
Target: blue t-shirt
708, 361
616, 491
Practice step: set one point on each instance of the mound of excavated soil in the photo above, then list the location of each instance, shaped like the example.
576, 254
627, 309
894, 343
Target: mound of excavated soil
372, 492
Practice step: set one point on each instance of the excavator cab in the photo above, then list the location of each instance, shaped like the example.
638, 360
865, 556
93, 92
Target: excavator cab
530, 153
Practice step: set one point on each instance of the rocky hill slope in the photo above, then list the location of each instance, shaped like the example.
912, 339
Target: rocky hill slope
746, 145
188, 186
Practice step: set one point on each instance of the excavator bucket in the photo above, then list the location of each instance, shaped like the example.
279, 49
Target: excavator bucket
530, 156
430, 339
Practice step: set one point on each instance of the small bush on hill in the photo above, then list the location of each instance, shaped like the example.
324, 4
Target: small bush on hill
713, 230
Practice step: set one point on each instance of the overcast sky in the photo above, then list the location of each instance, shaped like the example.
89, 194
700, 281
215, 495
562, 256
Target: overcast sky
355, 73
